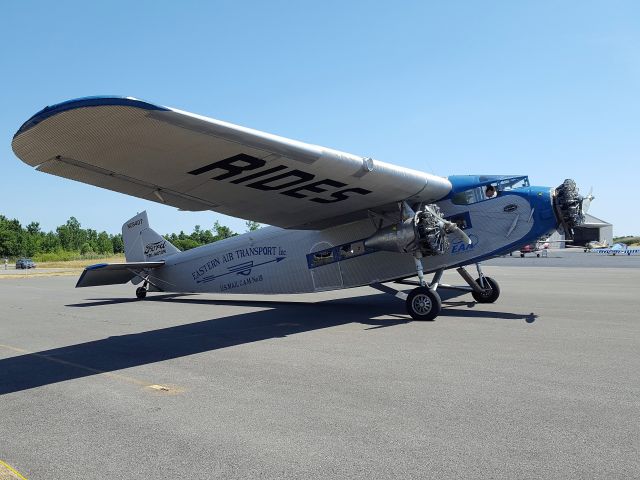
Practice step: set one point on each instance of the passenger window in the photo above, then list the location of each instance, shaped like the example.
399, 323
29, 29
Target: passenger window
352, 250
323, 257
463, 198
462, 220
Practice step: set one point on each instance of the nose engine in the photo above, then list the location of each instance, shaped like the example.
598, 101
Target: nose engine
570, 206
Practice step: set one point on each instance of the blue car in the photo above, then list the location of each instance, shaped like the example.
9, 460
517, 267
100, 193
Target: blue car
25, 263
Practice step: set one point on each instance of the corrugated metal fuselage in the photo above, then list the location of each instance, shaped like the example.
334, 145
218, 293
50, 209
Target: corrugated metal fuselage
274, 260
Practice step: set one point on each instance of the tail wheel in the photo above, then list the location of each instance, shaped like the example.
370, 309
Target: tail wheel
423, 304
141, 293
491, 294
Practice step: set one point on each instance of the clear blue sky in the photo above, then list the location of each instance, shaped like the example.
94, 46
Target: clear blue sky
545, 88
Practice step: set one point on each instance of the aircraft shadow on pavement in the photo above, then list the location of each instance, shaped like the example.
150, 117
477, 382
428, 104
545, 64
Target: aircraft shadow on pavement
114, 353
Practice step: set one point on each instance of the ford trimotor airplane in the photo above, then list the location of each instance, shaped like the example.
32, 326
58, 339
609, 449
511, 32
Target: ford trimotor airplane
338, 220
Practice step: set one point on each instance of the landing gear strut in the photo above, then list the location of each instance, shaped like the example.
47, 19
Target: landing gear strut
424, 303
141, 292
483, 289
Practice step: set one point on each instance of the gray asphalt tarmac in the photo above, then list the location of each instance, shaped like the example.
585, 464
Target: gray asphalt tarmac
542, 384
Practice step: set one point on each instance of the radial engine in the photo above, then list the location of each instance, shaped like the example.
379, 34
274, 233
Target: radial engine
420, 233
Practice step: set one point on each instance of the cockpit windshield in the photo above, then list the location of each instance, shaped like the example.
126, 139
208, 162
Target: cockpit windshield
511, 183
487, 188
470, 196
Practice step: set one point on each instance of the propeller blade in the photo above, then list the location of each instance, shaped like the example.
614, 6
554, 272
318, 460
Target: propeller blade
407, 211
451, 228
586, 201
460, 233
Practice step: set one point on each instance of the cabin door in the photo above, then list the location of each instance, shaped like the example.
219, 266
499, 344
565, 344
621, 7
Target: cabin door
324, 267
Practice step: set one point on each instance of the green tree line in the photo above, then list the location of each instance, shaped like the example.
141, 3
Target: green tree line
71, 240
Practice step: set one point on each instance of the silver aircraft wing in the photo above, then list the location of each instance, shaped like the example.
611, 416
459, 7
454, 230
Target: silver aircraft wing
114, 273
197, 163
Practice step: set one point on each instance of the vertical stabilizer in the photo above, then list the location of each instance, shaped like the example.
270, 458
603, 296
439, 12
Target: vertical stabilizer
141, 243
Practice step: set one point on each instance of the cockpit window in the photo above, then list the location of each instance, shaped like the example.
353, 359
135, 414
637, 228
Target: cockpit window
511, 183
476, 187
474, 195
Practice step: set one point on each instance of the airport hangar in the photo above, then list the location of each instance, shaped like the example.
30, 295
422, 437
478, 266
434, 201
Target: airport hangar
593, 229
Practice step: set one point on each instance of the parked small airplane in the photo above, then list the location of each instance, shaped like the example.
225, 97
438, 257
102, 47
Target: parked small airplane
540, 247
339, 220
594, 244
616, 249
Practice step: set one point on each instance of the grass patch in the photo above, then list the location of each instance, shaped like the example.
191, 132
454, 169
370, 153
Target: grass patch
81, 262
36, 274
68, 256
629, 240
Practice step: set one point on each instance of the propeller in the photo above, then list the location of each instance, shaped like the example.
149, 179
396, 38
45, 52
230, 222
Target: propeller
586, 201
450, 228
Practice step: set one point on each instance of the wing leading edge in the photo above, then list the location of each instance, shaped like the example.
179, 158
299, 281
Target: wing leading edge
197, 163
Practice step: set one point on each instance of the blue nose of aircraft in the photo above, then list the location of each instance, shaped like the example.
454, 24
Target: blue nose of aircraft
541, 200
557, 207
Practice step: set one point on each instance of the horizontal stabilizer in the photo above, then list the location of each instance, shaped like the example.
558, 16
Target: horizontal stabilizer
113, 273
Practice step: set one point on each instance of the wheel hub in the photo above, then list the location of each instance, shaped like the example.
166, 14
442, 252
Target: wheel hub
486, 293
422, 304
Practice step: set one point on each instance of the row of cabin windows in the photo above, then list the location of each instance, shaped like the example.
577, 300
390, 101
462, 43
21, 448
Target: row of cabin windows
336, 254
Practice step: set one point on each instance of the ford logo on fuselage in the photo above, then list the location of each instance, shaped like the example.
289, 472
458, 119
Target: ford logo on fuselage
155, 249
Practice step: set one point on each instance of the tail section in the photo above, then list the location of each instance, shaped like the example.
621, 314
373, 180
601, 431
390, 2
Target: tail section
141, 243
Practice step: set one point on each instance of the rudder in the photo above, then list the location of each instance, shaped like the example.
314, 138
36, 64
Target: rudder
141, 243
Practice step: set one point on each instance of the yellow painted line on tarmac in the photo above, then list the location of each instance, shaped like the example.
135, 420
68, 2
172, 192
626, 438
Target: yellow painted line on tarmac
116, 376
7, 472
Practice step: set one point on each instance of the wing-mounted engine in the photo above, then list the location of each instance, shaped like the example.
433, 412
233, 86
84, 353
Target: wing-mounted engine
421, 233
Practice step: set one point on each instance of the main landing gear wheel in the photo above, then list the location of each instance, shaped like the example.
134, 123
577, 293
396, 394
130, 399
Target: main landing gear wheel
141, 292
492, 293
423, 304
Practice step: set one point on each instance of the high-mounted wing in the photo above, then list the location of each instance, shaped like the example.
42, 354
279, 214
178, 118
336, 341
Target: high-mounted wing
198, 163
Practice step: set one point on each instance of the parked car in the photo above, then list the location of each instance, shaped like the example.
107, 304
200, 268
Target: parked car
25, 263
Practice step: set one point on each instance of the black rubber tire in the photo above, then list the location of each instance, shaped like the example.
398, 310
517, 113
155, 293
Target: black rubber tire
522, 255
423, 304
538, 255
141, 293
489, 297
